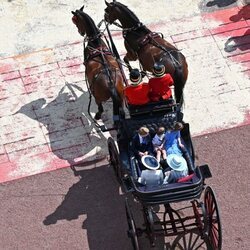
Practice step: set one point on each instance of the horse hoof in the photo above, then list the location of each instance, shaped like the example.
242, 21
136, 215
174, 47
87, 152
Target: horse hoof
97, 116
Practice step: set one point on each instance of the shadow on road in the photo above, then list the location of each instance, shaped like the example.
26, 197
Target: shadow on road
238, 42
243, 14
70, 133
221, 3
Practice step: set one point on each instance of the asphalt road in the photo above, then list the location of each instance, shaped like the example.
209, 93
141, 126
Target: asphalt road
58, 210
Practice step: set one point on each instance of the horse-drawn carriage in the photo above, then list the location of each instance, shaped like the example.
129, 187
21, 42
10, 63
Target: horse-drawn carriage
205, 221
202, 229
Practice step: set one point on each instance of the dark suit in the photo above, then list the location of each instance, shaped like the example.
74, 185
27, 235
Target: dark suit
137, 147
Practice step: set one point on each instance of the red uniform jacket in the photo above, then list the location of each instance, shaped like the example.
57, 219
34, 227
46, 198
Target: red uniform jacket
137, 95
159, 87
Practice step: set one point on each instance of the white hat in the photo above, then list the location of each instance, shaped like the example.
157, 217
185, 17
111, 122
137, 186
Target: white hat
176, 162
150, 162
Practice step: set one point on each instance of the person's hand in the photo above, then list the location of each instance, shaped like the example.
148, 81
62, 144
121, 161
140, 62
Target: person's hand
141, 154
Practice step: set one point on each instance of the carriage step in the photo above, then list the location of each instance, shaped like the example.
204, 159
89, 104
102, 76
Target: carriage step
205, 171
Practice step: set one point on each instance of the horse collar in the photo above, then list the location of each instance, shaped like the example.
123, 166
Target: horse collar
93, 38
126, 30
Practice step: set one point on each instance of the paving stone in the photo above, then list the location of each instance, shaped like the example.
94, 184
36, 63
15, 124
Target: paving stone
44, 97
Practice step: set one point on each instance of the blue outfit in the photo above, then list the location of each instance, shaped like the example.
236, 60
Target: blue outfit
171, 142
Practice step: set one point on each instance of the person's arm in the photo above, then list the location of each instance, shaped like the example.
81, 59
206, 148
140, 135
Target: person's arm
179, 140
134, 146
170, 80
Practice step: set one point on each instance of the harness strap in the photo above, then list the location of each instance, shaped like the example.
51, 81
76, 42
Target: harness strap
117, 55
175, 61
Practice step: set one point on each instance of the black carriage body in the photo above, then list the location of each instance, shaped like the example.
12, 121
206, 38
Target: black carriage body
204, 227
166, 193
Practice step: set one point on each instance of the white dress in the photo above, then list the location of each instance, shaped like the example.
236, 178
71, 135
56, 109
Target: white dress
151, 177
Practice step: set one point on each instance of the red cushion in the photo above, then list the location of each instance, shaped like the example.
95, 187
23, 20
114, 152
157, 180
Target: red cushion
186, 178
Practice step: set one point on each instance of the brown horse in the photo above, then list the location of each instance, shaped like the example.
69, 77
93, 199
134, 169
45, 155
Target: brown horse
102, 71
148, 47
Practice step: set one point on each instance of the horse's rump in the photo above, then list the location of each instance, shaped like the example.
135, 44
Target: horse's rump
159, 50
104, 79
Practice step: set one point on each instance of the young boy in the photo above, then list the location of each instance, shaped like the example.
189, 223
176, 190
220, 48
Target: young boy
158, 143
142, 144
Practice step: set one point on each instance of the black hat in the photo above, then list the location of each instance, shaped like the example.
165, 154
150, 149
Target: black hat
135, 76
158, 69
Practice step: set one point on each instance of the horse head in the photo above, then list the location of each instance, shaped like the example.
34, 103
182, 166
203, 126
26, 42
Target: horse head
112, 12
85, 24
78, 20
118, 11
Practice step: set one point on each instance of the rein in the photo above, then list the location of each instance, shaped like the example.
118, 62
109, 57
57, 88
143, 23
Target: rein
149, 38
116, 54
156, 44
102, 53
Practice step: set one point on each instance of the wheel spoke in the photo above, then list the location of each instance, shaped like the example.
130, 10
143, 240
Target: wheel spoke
214, 233
198, 247
194, 240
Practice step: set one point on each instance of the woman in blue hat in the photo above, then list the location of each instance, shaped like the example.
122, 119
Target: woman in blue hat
178, 168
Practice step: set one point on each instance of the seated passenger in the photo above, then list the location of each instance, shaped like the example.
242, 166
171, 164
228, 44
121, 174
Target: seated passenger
152, 176
137, 92
159, 85
142, 144
173, 144
158, 144
178, 168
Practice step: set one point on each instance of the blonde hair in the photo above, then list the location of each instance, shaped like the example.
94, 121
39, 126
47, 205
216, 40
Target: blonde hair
143, 131
160, 131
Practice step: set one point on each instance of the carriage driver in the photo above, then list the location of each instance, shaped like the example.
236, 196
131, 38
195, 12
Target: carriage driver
137, 92
160, 84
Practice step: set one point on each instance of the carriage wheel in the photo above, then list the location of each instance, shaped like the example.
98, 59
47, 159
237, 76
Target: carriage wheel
201, 216
131, 227
213, 219
189, 241
114, 158
149, 223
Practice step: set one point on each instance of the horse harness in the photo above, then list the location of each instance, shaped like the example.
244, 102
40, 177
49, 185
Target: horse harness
95, 52
149, 39
99, 52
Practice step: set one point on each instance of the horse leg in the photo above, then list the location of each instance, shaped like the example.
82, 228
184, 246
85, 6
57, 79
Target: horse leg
99, 113
117, 107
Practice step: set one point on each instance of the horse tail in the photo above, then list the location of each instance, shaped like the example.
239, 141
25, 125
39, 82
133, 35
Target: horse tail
179, 76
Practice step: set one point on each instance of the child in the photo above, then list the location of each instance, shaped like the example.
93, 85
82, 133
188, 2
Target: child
173, 144
142, 144
158, 143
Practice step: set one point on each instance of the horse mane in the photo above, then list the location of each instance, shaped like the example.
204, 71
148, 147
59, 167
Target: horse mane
128, 11
91, 26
